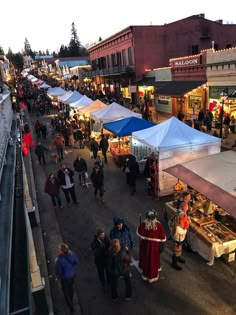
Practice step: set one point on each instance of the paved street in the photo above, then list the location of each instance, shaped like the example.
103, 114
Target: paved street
197, 289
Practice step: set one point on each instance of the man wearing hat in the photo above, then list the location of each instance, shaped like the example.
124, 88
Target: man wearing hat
123, 233
100, 246
152, 237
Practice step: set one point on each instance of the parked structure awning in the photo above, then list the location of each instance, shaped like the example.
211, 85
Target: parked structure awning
213, 176
178, 88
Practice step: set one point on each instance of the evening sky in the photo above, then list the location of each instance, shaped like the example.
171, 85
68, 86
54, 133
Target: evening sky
47, 23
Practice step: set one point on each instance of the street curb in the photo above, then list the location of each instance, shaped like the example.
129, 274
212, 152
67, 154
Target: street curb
41, 239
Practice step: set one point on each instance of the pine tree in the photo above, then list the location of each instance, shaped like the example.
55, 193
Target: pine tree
10, 54
74, 45
1, 51
27, 48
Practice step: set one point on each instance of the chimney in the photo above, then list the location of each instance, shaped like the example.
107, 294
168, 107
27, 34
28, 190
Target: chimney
219, 21
202, 15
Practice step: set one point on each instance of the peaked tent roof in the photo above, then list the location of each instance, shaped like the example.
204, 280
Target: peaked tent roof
44, 86
218, 186
173, 133
74, 97
126, 126
65, 96
178, 88
96, 105
83, 101
56, 91
113, 112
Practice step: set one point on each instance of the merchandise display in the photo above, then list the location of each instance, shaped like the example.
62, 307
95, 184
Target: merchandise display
120, 149
212, 230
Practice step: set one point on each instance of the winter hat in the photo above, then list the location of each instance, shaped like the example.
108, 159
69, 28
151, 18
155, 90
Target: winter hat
117, 220
151, 215
99, 232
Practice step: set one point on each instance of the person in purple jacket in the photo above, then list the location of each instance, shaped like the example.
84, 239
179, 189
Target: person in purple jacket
66, 269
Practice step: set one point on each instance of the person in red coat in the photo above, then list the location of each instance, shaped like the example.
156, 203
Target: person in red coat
52, 187
152, 237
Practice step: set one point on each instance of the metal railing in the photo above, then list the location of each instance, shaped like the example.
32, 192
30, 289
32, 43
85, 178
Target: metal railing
109, 71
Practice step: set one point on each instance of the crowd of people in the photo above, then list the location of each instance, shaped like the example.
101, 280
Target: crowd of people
112, 251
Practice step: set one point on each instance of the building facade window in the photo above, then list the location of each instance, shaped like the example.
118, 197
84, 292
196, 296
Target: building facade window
108, 61
124, 61
130, 56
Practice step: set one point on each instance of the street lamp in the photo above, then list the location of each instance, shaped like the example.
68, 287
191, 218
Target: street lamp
223, 96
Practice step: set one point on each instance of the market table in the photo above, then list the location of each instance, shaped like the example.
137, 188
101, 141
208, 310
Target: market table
201, 240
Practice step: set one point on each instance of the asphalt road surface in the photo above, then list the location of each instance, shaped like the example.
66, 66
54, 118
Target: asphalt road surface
197, 289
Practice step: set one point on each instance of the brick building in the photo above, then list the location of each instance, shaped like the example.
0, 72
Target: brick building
121, 60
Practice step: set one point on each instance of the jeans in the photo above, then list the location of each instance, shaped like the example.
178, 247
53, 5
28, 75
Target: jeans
68, 291
114, 285
70, 192
54, 198
103, 275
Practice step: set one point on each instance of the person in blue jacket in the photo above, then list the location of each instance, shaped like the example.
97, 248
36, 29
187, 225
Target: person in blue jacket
123, 233
66, 269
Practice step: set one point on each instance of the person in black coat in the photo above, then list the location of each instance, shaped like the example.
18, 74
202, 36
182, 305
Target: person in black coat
65, 177
100, 246
104, 144
97, 179
132, 171
40, 152
80, 166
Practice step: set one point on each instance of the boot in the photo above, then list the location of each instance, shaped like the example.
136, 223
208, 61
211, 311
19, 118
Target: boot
181, 260
174, 263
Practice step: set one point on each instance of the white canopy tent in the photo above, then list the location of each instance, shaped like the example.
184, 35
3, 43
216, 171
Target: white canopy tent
83, 101
112, 112
74, 97
173, 142
65, 96
44, 86
96, 105
56, 91
213, 176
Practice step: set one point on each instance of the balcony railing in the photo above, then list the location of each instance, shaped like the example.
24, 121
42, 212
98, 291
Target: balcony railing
109, 71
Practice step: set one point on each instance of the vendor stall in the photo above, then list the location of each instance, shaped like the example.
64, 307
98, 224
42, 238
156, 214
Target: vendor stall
173, 142
207, 236
213, 223
120, 149
123, 129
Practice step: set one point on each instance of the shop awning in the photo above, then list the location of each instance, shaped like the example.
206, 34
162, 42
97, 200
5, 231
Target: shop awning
178, 88
213, 176
151, 81
147, 81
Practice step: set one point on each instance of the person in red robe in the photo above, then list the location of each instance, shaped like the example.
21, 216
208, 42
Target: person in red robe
152, 237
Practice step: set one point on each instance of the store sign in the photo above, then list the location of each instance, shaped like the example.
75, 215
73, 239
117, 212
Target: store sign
186, 62
164, 98
132, 88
